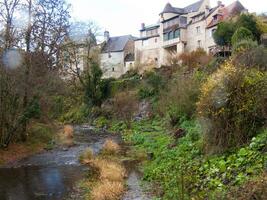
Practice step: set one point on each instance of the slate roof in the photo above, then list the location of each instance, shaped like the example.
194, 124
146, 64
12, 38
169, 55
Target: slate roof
191, 8
227, 12
116, 44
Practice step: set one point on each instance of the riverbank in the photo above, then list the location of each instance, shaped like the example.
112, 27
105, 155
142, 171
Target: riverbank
40, 137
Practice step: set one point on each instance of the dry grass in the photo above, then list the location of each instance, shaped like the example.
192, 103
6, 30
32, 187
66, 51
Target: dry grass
106, 181
66, 136
108, 190
110, 170
110, 147
86, 156
68, 131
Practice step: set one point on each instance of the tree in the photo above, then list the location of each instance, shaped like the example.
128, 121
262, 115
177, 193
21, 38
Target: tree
80, 49
249, 21
7, 11
96, 88
224, 33
240, 34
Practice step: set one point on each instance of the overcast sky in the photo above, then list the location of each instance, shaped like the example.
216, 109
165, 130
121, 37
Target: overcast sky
122, 17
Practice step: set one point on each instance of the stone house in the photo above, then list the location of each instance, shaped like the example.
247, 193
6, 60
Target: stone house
117, 55
182, 30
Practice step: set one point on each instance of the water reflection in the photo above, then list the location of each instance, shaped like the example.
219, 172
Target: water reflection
29, 183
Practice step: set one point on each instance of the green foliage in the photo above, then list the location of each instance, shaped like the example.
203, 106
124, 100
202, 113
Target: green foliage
183, 172
224, 33
244, 46
152, 83
178, 102
241, 34
101, 122
41, 133
231, 106
77, 114
96, 88
249, 22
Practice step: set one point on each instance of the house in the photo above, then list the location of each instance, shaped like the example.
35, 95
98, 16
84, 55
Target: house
117, 55
182, 30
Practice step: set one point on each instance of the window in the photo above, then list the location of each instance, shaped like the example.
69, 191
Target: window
144, 42
113, 69
170, 36
165, 36
199, 43
177, 33
156, 40
198, 29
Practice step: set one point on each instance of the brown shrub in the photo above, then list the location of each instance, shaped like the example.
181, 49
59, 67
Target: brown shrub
86, 156
108, 190
68, 131
109, 170
254, 189
110, 147
125, 105
195, 59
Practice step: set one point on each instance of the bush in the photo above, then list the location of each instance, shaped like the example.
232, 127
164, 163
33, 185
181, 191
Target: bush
253, 57
244, 45
86, 156
241, 34
179, 101
125, 105
232, 106
195, 59
110, 147
76, 114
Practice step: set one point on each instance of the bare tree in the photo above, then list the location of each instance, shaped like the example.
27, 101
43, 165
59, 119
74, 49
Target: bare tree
7, 11
80, 50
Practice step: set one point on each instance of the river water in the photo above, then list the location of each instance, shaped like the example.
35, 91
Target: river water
50, 175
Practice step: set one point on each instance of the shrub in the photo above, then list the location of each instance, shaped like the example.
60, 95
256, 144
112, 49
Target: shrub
241, 34
249, 22
195, 59
108, 190
244, 45
231, 106
179, 101
125, 105
86, 156
224, 33
110, 147
253, 57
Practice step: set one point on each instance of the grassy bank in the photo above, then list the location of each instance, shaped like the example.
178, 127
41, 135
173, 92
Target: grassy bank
179, 169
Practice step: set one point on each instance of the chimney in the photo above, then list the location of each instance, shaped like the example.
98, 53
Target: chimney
143, 26
106, 36
219, 3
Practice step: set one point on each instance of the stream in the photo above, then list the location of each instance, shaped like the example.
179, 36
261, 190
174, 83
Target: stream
51, 175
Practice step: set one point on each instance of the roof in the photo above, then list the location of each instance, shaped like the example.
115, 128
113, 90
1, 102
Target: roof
116, 44
191, 8
228, 12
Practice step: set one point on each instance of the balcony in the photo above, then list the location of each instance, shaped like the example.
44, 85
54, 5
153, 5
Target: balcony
171, 42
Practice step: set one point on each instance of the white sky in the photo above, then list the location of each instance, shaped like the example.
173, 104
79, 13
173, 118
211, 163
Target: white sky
122, 17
